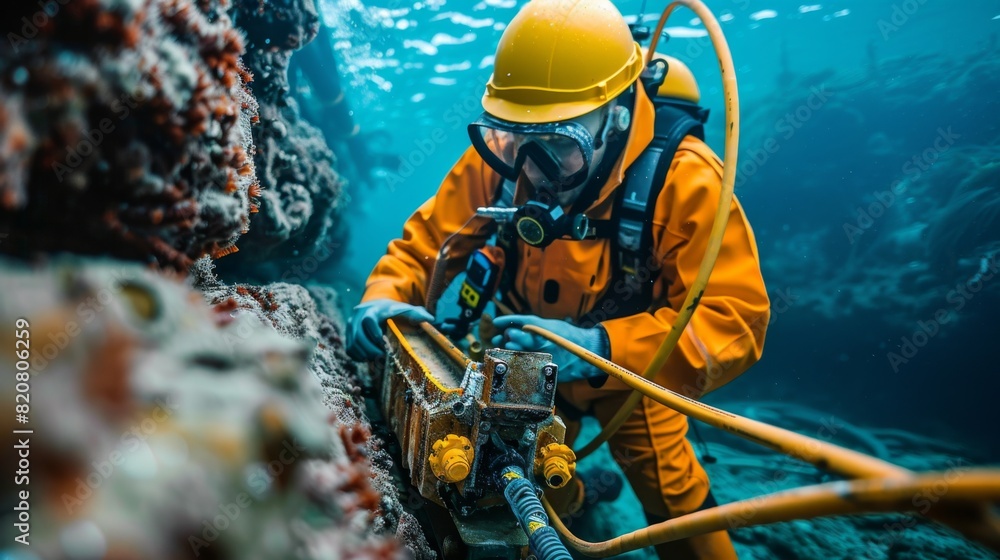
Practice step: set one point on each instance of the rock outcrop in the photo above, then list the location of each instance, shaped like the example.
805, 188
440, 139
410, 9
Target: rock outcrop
126, 130
175, 416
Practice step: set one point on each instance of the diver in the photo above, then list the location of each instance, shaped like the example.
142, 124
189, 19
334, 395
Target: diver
601, 241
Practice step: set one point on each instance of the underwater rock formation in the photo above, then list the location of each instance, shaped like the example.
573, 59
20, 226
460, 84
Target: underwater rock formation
940, 229
312, 314
873, 195
300, 191
126, 130
169, 428
898, 210
739, 474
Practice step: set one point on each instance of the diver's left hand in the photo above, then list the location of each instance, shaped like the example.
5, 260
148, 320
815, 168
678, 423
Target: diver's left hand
571, 368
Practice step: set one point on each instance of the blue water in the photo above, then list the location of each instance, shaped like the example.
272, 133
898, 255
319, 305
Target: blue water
417, 71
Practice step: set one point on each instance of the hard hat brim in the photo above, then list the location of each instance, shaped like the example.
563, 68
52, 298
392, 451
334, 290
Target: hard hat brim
528, 105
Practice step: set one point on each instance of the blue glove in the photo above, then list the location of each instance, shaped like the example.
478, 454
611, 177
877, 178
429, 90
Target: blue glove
364, 335
571, 368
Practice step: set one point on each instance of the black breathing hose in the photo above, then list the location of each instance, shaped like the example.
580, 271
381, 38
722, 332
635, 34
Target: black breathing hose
542, 538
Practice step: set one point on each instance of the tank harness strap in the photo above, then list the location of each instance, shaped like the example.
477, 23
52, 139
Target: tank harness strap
637, 270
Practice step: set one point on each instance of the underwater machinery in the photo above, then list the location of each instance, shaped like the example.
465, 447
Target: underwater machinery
477, 437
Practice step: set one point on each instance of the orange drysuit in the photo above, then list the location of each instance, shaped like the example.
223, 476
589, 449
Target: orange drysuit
724, 338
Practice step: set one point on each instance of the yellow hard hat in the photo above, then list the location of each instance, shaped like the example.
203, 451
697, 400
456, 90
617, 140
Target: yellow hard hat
679, 82
559, 59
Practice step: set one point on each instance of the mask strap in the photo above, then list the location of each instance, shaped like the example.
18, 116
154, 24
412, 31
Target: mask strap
602, 134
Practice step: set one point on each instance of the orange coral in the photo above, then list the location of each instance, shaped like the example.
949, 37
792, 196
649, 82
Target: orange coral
223, 251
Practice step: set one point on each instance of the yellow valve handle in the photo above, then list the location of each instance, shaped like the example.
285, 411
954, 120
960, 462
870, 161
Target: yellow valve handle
557, 464
451, 458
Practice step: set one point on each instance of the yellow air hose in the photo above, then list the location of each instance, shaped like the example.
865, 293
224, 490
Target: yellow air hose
697, 288
836, 498
974, 521
826, 456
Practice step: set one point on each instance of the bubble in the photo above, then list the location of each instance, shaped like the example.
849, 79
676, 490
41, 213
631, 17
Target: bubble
170, 449
20, 76
83, 539
140, 463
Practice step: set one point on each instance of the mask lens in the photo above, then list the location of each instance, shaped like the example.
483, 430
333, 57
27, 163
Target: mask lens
561, 152
565, 151
502, 144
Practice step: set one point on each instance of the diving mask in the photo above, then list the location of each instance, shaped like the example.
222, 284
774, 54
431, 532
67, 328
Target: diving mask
562, 152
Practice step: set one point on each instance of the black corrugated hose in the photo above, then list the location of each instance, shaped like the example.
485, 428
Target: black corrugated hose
542, 538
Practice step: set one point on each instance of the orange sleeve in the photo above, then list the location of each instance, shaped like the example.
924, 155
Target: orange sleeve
726, 332
403, 272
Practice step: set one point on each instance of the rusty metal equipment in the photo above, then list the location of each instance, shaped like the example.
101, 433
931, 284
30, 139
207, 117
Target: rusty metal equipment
477, 437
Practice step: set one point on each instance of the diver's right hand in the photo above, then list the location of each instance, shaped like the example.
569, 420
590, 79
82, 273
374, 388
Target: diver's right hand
364, 335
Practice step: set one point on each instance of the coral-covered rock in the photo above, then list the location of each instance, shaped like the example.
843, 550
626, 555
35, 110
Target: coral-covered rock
300, 191
274, 31
300, 195
125, 130
312, 314
168, 428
